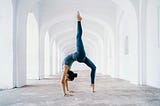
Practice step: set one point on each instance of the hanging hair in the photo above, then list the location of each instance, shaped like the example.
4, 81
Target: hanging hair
71, 75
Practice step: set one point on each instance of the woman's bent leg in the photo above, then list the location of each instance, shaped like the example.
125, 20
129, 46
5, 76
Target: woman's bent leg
90, 64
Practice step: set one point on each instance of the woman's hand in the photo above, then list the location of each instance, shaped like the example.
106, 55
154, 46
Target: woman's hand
70, 91
68, 94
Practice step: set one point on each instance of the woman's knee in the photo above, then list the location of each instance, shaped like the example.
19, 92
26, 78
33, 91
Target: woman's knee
93, 67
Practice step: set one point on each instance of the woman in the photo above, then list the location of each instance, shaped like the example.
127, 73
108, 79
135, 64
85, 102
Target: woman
79, 56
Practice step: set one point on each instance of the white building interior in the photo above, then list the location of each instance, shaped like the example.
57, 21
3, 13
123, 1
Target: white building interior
122, 38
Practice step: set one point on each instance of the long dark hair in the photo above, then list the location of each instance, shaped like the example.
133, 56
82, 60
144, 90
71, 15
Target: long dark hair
71, 75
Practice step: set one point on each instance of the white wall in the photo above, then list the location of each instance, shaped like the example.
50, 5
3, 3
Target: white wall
128, 47
6, 44
153, 50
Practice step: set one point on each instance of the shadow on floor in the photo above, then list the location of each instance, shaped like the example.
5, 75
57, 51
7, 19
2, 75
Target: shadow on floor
37, 85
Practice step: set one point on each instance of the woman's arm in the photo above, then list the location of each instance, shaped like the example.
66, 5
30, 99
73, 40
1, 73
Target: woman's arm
67, 84
63, 82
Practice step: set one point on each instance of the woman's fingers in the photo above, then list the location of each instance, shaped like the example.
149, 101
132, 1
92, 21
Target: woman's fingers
71, 91
67, 95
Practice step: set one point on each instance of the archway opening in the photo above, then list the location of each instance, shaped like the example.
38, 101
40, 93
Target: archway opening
47, 56
32, 47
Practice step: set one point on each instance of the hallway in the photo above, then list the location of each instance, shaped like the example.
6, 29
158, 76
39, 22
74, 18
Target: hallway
109, 92
121, 37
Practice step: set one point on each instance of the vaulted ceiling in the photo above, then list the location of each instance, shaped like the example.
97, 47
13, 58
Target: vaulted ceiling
58, 17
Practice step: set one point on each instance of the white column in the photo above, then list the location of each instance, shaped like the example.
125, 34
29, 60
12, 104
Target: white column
21, 48
51, 60
41, 57
47, 55
6, 44
54, 58
142, 42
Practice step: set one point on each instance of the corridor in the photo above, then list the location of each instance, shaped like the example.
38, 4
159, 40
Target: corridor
121, 37
109, 92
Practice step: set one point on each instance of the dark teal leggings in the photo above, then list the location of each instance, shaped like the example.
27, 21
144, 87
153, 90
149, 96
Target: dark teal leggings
80, 54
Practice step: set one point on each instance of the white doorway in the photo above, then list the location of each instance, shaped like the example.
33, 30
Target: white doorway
32, 47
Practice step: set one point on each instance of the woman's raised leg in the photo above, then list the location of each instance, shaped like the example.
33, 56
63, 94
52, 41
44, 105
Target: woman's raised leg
79, 42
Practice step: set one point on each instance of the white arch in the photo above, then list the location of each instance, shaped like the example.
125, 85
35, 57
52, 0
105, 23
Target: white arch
127, 7
61, 19
67, 42
32, 47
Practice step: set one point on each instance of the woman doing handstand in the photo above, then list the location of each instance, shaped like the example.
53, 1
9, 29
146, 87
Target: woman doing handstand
79, 56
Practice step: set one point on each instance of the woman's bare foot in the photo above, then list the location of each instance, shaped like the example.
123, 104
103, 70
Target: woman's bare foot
79, 18
92, 87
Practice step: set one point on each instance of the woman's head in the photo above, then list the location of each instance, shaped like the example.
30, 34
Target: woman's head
71, 75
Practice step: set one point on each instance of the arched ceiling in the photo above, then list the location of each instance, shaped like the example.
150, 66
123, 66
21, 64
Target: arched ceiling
90, 40
58, 17
106, 9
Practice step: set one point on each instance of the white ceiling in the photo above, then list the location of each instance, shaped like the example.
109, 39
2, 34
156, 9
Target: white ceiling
58, 17
100, 9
